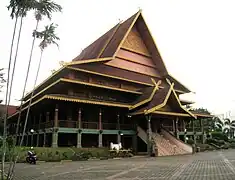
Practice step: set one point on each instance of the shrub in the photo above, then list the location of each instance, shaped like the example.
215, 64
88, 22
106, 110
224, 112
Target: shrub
219, 136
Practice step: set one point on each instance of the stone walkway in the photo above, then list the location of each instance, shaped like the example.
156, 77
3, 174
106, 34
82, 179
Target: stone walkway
216, 165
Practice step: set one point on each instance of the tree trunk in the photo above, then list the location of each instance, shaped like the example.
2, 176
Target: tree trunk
25, 83
12, 78
6, 107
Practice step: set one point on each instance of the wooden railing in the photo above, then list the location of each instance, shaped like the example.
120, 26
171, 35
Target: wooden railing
67, 124
90, 125
74, 124
111, 126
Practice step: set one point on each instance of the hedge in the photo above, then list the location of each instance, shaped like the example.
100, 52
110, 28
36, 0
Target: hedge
59, 154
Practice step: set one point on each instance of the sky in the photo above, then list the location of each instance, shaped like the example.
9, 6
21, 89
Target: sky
195, 38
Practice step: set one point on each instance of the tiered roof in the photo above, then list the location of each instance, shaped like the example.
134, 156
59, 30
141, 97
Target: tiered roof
102, 58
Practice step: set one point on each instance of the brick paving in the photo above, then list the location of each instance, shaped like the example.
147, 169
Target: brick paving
216, 165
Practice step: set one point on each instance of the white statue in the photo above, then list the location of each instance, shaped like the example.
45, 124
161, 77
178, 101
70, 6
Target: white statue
116, 147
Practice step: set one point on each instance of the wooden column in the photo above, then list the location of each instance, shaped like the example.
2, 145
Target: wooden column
79, 118
173, 125
38, 135
56, 116
44, 139
100, 144
55, 132
118, 127
194, 133
149, 134
176, 127
185, 132
202, 130
79, 125
100, 120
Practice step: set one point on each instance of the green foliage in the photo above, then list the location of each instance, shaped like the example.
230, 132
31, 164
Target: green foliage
217, 142
47, 36
219, 136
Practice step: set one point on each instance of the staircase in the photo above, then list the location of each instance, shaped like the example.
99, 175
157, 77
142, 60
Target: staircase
142, 134
168, 145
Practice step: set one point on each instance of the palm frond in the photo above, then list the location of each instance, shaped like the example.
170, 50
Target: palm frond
46, 8
21, 7
47, 36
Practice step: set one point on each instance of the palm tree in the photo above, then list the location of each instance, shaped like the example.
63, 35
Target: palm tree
42, 8
19, 8
48, 37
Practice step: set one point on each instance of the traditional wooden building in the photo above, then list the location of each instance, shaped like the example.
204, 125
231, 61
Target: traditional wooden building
117, 90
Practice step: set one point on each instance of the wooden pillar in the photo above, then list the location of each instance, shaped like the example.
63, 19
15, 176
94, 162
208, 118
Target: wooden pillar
55, 139
100, 120
194, 133
55, 132
44, 139
176, 127
79, 140
79, 118
56, 116
202, 130
100, 144
173, 125
118, 127
149, 134
38, 135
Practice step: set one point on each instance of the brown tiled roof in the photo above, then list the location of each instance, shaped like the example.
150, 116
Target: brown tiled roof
93, 50
118, 37
146, 94
11, 109
158, 99
113, 71
178, 85
108, 42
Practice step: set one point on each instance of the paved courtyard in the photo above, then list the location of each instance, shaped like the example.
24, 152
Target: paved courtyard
216, 165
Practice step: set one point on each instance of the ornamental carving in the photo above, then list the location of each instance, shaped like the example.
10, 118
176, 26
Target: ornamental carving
134, 42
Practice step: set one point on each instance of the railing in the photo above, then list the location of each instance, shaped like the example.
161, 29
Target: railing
90, 125
74, 124
126, 126
111, 126
67, 124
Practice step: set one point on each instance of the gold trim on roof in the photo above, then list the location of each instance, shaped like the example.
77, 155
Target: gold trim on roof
80, 82
171, 90
136, 51
52, 75
86, 101
171, 113
130, 60
35, 95
100, 86
150, 97
203, 115
107, 42
127, 69
154, 43
73, 100
88, 61
129, 29
110, 76
180, 84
